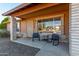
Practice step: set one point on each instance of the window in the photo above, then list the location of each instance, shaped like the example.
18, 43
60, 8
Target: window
50, 25
18, 26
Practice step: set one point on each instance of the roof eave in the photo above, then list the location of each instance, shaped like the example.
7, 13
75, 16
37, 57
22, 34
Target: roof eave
15, 9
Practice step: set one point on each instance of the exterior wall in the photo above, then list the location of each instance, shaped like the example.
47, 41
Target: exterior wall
8, 26
74, 29
29, 28
23, 27
26, 27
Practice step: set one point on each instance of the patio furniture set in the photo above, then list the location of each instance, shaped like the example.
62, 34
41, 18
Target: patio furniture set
53, 38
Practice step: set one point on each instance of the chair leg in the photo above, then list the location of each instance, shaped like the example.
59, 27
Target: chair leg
39, 39
56, 43
53, 42
32, 39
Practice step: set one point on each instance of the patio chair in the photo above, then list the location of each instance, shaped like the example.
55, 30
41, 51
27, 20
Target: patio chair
35, 35
55, 39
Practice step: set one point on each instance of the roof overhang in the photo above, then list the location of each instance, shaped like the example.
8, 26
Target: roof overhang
25, 9
16, 8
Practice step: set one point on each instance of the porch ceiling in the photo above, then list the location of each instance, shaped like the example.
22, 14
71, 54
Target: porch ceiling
33, 7
58, 8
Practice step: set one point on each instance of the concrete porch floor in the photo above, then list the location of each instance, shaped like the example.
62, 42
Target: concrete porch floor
46, 49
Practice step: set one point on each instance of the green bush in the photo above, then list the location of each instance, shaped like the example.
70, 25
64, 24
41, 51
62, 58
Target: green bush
2, 26
4, 33
3, 23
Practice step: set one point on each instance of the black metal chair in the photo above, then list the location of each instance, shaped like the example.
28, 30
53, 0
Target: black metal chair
55, 39
35, 35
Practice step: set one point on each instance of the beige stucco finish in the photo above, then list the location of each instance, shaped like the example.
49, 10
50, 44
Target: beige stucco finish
8, 26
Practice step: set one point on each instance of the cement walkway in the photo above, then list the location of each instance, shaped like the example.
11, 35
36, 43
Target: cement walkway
46, 49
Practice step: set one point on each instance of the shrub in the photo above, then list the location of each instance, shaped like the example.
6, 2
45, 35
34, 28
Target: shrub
4, 33
2, 26
4, 22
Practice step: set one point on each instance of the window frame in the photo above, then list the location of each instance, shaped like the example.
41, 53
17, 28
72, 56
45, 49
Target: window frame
50, 17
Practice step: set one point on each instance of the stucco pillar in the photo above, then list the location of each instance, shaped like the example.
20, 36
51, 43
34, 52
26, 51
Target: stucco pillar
12, 28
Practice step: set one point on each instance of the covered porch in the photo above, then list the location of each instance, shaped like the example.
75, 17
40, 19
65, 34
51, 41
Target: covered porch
49, 18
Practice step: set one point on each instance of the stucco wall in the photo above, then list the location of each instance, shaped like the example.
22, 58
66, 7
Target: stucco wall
26, 27
8, 26
23, 26
29, 28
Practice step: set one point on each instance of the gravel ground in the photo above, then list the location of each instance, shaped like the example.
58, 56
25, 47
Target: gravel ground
8, 48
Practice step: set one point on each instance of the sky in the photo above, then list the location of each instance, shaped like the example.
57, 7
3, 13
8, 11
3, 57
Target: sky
5, 7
